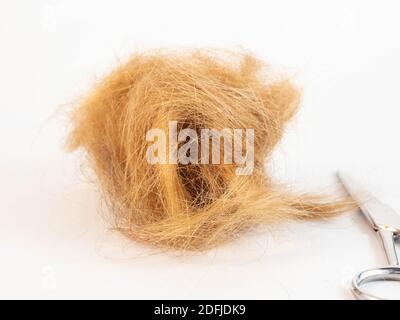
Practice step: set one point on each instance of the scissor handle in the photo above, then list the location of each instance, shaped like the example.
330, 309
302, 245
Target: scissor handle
391, 273
388, 238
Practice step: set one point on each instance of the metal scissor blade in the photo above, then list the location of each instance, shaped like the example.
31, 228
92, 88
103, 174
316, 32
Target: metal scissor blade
379, 215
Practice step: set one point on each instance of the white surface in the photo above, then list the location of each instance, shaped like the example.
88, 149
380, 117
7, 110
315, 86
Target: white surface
53, 243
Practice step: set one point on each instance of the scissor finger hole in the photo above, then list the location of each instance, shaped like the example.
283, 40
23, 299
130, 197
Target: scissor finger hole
377, 284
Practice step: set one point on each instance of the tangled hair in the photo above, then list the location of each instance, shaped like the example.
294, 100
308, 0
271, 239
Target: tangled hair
192, 206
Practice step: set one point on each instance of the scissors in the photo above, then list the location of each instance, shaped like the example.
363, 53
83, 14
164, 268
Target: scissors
386, 223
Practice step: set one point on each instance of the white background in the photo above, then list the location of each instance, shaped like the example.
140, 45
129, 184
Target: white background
53, 241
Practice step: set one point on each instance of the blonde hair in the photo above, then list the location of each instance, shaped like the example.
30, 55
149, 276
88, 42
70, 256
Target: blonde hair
193, 206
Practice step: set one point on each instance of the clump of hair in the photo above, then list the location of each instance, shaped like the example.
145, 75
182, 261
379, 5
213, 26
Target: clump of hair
193, 206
